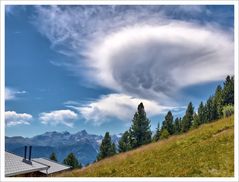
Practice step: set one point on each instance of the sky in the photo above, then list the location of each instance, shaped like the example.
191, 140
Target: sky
79, 67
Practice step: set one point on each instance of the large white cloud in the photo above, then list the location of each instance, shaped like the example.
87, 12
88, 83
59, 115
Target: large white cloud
119, 106
157, 61
139, 52
12, 118
65, 117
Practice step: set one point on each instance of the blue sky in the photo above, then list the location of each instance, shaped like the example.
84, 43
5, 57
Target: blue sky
88, 67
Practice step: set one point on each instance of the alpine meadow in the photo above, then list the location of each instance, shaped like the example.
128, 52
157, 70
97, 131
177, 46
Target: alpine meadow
206, 148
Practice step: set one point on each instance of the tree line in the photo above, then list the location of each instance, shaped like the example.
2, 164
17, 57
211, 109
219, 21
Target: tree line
220, 104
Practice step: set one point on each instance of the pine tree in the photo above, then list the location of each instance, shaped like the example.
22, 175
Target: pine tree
196, 121
72, 161
176, 126
53, 156
190, 111
168, 123
180, 125
140, 133
208, 109
107, 148
188, 118
202, 113
228, 91
113, 149
156, 137
211, 109
218, 101
124, 142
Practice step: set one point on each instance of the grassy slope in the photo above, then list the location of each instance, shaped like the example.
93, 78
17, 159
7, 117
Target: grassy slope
206, 151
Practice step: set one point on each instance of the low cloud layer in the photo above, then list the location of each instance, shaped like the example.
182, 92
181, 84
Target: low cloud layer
12, 118
120, 106
65, 117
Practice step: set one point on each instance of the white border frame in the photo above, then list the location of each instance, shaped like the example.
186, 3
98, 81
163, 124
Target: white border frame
99, 2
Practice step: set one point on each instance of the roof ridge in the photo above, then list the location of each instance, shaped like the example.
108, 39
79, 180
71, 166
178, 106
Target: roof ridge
41, 163
53, 161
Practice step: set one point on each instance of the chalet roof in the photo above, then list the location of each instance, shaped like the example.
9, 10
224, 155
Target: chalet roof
14, 165
53, 166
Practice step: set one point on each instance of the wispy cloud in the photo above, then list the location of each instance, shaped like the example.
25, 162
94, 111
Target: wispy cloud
118, 106
65, 117
78, 24
9, 9
11, 94
12, 118
190, 9
14, 9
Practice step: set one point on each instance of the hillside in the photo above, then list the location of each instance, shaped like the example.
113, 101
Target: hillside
207, 151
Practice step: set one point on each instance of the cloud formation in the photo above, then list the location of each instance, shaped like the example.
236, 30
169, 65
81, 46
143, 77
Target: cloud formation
65, 117
12, 118
11, 94
139, 52
155, 62
120, 106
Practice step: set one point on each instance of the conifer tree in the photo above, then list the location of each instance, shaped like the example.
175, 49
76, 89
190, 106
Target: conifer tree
168, 123
180, 125
53, 156
195, 122
211, 109
228, 91
208, 109
72, 161
140, 132
107, 148
218, 101
113, 149
176, 126
188, 118
202, 113
156, 137
124, 142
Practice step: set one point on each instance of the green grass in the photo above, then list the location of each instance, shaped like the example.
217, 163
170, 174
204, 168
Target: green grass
204, 152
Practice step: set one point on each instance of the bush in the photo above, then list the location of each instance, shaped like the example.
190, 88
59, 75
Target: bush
228, 110
164, 134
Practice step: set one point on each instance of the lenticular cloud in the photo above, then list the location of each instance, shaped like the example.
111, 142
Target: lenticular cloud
157, 61
139, 50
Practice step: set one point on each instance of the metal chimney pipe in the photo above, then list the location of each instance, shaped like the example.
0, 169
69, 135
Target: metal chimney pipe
30, 153
25, 152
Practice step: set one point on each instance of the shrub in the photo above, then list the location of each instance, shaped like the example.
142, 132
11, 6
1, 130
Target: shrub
228, 110
164, 134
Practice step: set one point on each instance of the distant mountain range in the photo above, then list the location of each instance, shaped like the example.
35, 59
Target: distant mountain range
85, 146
